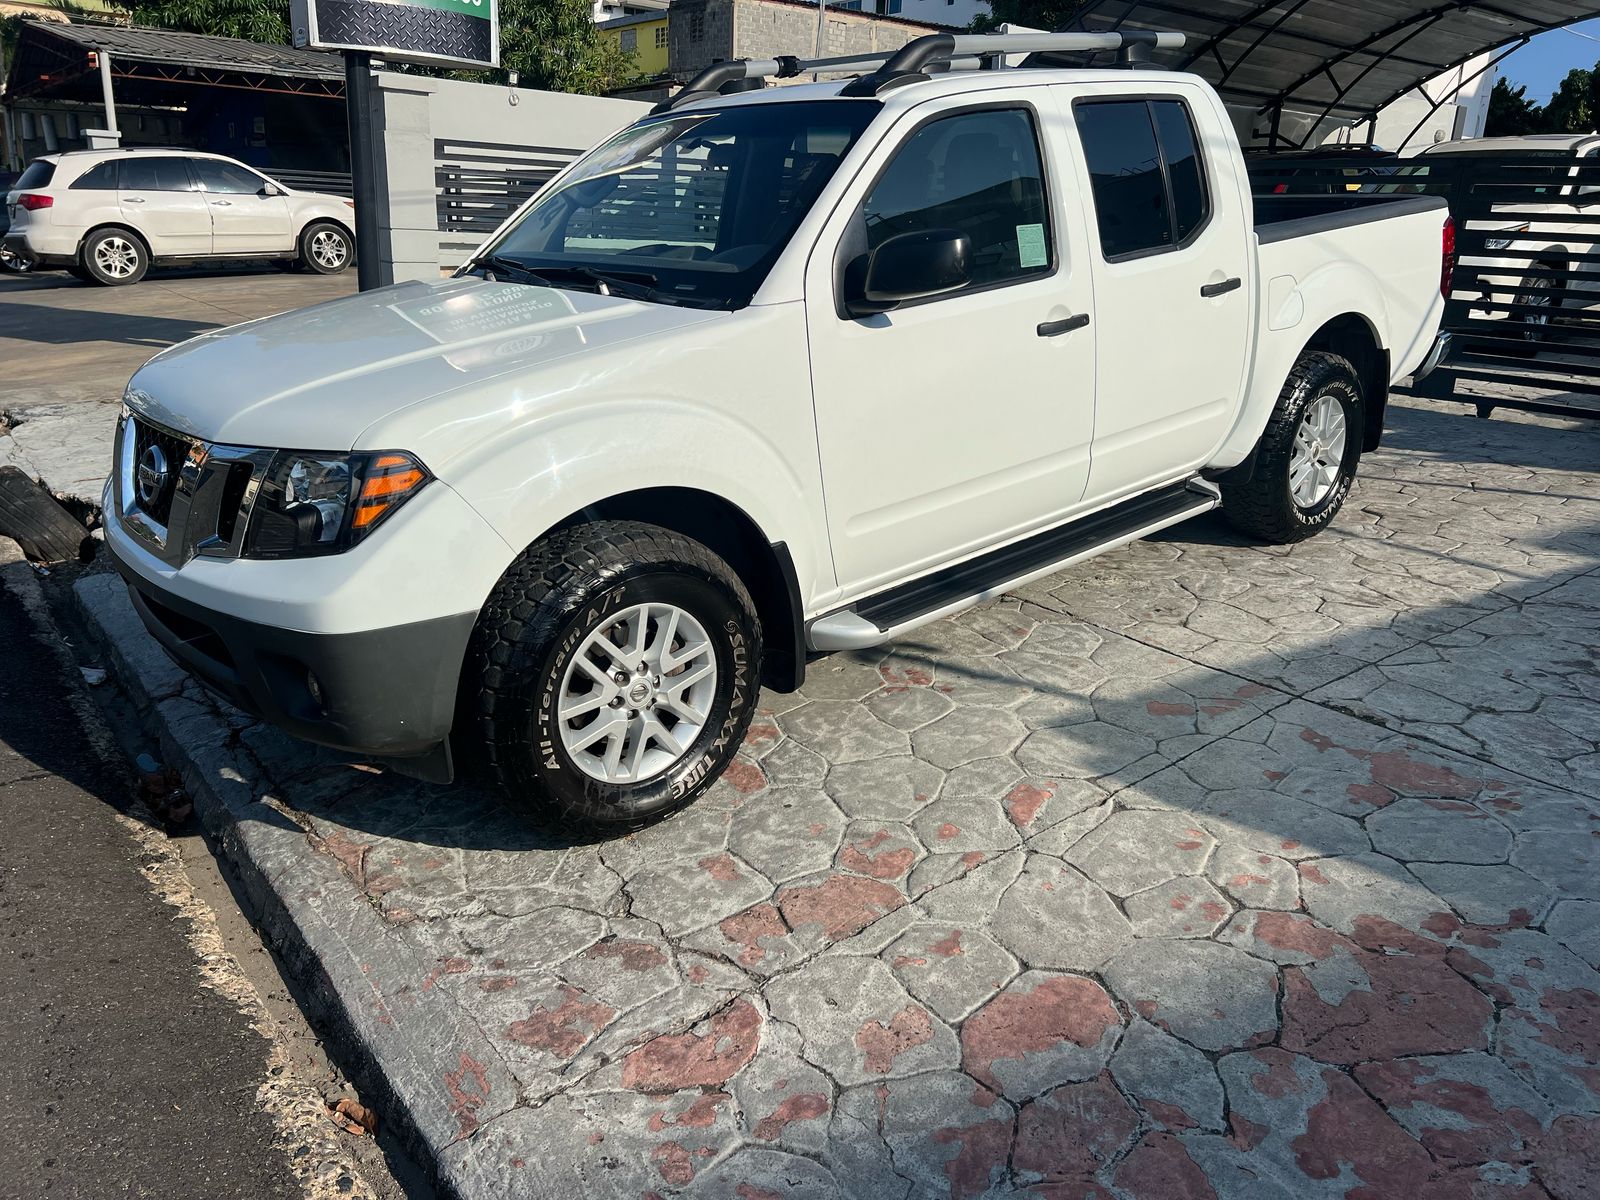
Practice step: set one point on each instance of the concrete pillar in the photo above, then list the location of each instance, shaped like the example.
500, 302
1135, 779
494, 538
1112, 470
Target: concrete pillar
402, 141
105, 90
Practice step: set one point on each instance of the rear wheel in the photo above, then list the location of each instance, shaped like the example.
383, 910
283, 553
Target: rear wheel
1537, 296
13, 263
113, 257
326, 248
1306, 460
613, 674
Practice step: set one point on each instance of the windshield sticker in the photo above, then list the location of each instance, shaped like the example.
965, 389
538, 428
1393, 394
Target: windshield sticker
1030, 245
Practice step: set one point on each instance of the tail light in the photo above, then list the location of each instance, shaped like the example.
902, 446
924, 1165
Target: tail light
33, 201
1449, 257
1279, 189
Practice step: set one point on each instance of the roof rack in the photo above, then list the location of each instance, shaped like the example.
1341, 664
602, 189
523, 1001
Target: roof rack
917, 59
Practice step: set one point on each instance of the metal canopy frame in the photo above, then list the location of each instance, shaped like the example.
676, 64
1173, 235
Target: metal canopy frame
59, 60
1341, 59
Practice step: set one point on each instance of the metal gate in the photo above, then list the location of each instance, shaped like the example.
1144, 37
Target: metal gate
1524, 306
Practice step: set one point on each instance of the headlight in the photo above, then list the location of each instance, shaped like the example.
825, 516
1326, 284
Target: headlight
1500, 243
326, 503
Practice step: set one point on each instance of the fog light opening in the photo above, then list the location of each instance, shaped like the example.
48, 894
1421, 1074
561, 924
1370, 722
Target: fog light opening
314, 686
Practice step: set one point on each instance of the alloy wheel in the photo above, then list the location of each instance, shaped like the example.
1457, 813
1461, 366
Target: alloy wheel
1318, 452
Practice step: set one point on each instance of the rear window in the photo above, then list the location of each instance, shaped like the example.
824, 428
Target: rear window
102, 177
38, 175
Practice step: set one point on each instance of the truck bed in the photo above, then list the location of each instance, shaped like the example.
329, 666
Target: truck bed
1281, 217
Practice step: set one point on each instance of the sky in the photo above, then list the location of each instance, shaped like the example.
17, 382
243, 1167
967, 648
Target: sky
1545, 61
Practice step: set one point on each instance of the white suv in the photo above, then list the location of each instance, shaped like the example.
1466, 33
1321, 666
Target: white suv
106, 215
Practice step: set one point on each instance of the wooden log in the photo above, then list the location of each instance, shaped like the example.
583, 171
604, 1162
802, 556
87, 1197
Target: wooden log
29, 514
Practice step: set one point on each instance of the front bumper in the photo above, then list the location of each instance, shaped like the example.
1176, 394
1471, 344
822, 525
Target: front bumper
382, 693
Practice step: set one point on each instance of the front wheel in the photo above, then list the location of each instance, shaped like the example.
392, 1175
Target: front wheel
326, 248
613, 674
1306, 460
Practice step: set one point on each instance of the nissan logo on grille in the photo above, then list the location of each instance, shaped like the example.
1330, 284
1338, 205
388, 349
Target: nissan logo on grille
151, 474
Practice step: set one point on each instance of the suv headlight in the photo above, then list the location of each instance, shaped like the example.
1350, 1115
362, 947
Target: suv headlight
326, 503
1500, 243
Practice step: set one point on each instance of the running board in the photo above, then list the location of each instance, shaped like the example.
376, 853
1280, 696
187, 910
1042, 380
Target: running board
883, 617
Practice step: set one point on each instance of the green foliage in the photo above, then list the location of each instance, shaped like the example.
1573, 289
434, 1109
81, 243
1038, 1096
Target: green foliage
1035, 14
554, 45
1570, 110
1511, 113
253, 20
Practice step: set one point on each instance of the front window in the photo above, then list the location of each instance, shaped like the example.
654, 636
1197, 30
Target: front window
226, 178
690, 208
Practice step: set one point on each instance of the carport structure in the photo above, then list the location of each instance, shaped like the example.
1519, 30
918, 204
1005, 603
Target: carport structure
271, 105
1304, 65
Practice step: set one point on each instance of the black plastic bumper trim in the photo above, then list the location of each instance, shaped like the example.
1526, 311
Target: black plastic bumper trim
386, 693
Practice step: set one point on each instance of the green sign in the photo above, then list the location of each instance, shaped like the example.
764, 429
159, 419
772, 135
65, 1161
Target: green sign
473, 8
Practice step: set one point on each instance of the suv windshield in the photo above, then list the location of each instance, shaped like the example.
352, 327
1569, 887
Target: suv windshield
689, 208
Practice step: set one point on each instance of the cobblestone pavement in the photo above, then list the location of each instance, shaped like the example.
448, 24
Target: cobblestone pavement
1203, 870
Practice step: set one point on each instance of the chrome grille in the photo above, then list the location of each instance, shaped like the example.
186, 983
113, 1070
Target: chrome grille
174, 452
203, 504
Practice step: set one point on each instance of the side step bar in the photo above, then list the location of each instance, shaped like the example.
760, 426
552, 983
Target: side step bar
883, 617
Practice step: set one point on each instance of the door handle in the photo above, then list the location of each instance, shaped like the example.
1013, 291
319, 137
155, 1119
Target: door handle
229, 203
1208, 290
1065, 325
134, 199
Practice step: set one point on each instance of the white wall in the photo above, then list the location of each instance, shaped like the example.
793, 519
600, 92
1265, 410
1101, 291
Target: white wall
1465, 95
955, 13
416, 120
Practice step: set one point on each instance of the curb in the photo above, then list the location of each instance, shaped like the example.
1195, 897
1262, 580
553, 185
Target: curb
428, 1068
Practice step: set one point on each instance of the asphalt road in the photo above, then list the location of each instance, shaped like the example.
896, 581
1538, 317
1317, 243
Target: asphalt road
119, 1074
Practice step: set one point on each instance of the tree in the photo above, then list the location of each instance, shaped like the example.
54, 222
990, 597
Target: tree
1571, 109
1511, 113
1035, 14
554, 45
253, 20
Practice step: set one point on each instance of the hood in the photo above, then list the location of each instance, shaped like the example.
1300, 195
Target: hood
315, 378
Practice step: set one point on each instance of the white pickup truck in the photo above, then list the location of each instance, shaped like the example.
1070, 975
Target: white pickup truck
766, 374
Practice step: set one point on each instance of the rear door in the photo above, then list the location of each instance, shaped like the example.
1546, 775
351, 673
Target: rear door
245, 218
157, 198
1173, 281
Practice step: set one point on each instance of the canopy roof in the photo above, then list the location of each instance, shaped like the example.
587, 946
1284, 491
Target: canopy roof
52, 59
1342, 59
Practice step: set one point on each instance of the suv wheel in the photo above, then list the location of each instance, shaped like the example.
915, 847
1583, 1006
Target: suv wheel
325, 248
613, 674
114, 257
1306, 460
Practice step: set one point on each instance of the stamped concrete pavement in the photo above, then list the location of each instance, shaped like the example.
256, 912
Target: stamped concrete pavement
1203, 870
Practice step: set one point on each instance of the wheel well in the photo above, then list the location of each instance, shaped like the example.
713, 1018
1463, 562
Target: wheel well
348, 232
1352, 338
765, 568
128, 229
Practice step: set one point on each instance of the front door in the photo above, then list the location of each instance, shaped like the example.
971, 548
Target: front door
957, 422
246, 218
157, 197
1173, 286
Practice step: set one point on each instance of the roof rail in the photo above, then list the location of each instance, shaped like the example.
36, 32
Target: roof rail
915, 59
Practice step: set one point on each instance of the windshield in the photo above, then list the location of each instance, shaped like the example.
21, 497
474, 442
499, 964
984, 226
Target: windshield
689, 208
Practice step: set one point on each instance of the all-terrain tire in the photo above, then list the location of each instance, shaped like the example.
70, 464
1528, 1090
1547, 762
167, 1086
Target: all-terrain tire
538, 619
1264, 506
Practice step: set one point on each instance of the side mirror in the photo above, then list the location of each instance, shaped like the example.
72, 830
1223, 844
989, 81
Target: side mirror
271, 189
909, 266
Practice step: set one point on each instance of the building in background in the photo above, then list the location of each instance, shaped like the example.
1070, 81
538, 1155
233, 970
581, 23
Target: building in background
642, 34
957, 14
1447, 108
701, 32
274, 107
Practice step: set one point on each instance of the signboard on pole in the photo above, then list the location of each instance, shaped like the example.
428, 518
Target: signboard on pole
440, 33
